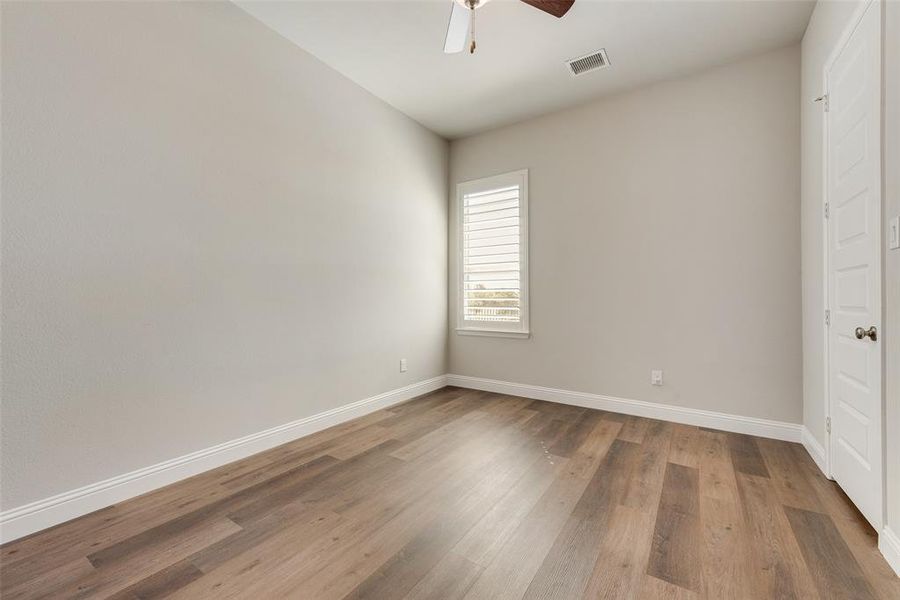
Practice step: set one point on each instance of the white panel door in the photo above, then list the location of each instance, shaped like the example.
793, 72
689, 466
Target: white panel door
854, 276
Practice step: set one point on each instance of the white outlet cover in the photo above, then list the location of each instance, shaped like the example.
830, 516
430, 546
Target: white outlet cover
894, 233
656, 377
403, 365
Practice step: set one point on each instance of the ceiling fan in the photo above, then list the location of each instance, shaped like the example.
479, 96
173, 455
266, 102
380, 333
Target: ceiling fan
462, 20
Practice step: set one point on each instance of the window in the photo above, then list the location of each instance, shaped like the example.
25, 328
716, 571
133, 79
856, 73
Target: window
493, 255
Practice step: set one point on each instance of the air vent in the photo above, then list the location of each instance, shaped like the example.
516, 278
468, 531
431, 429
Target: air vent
590, 62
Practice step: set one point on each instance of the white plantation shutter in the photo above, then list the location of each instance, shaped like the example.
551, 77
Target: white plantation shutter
492, 232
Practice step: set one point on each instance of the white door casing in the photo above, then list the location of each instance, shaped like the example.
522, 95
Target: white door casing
853, 196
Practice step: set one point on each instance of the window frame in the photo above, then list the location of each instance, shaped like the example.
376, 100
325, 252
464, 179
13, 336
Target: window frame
522, 329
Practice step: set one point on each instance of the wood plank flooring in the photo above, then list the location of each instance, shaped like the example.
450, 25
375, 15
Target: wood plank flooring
466, 494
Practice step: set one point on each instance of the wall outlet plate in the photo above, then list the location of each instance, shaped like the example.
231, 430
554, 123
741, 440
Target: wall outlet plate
656, 377
403, 365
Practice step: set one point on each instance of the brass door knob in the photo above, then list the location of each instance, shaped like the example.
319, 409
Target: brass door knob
871, 333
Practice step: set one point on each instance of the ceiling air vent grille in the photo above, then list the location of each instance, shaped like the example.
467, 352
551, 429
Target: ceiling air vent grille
590, 62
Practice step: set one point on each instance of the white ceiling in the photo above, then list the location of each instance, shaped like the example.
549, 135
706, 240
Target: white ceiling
395, 49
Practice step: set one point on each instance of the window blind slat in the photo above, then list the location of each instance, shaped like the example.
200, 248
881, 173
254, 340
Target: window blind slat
485, 259
510, 278
492, 224
495, 205
492, 233
491, 242
481, 286
495, 249
475, 198
509, 300
493, 267
489, 215
485, 294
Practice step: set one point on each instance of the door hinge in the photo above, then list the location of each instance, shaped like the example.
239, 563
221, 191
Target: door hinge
828, 424
827, 317
827, 210
824, 100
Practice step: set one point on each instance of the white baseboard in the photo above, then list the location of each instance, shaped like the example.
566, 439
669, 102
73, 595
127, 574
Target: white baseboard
815, 450
889, 546
27, 519
778, 430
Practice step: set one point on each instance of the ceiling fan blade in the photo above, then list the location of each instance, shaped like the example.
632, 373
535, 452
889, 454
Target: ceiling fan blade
557, 8
458, 29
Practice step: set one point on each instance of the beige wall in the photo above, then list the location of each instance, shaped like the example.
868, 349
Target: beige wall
828, 21
892, 261
205, 233
664, 234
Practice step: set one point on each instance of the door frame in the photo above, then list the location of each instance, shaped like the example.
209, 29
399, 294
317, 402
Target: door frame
841, 43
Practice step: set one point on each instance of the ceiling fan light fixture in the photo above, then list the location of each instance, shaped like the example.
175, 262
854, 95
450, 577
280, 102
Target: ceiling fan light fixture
462, 20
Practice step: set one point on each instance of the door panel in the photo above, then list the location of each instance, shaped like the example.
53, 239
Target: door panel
852, 220
854, 286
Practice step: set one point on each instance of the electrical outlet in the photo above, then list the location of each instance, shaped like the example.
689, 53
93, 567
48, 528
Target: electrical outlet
656, 377
403, 365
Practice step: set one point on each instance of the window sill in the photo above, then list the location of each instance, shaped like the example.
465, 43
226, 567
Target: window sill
494, 333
